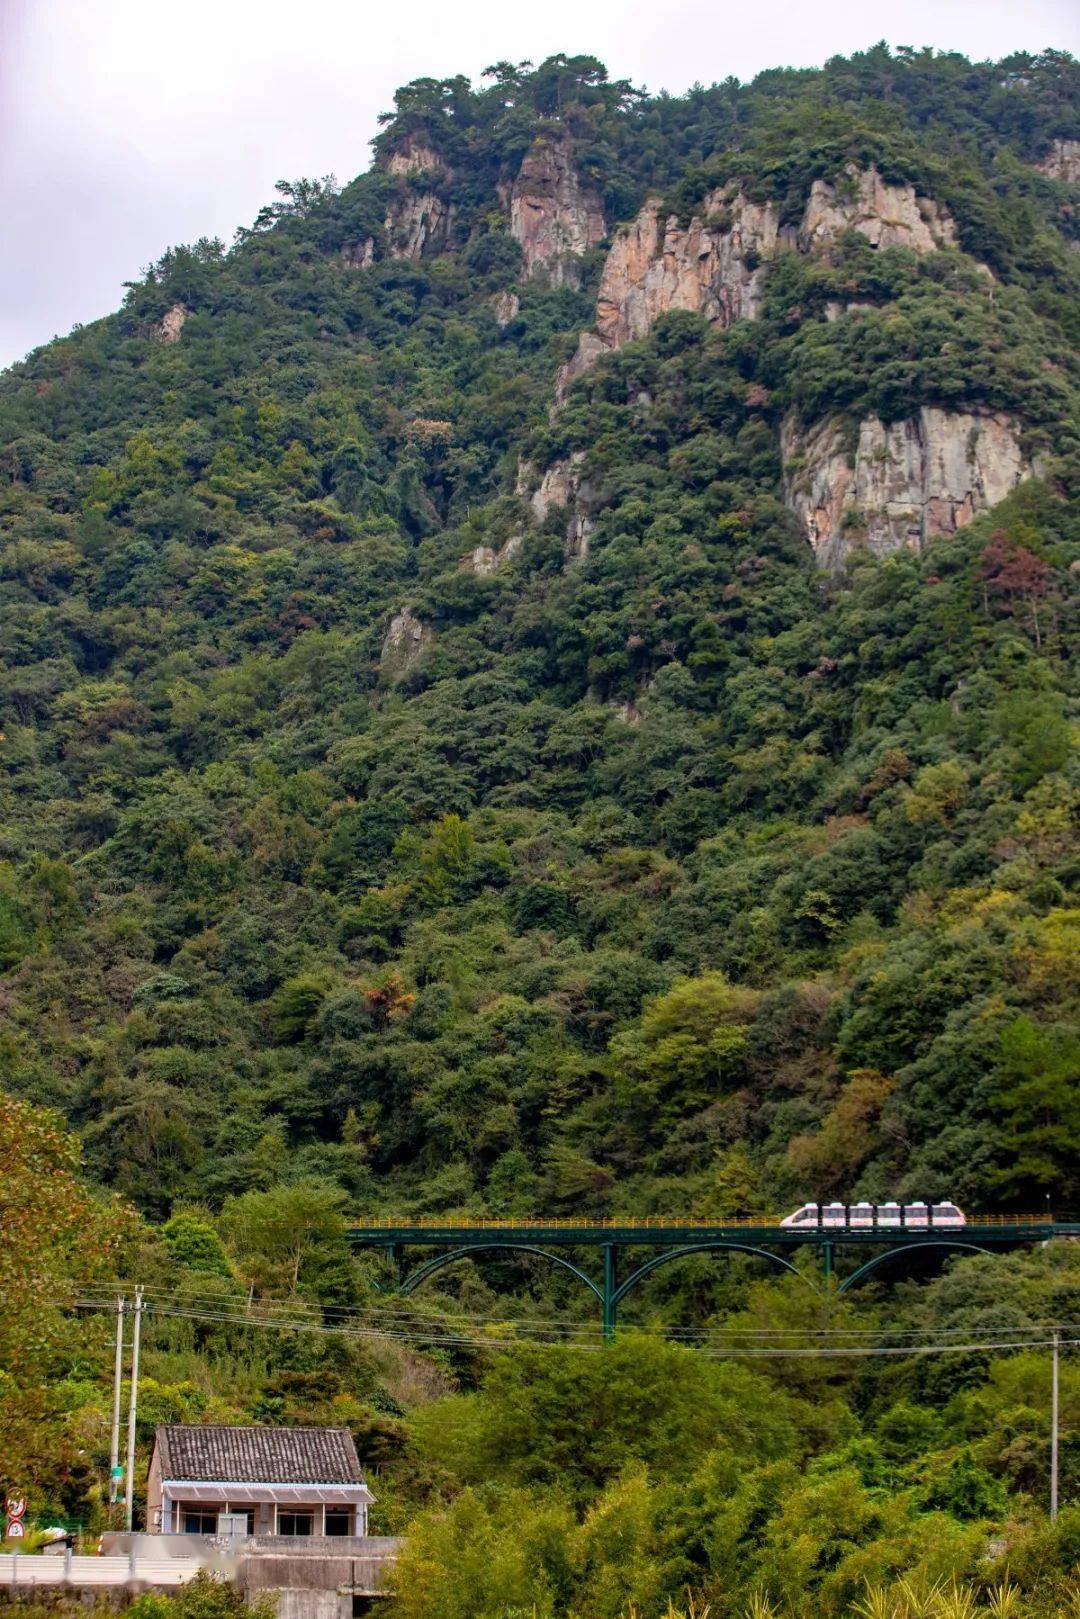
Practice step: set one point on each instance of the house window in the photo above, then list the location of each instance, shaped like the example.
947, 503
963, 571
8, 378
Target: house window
199, 1520
248, 1513
338, 1521
295, 1523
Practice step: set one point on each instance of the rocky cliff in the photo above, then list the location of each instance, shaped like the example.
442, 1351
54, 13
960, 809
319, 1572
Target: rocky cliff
553, 216
415, 157
485, 559
562, 485
405, 640
902, 483
359, 255
1062, 162
716, 265
415, 223
888, 214
172, 324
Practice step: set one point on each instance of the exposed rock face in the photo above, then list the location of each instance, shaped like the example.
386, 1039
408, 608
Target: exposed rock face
625, 710
552, 215
717, 264
1062, 162
714, 266
590, 347
505, 307
405, 641
172, 324
359, 255
703, 268
415, 157
485, 559
562, 486
887, 215
908, 481
834, 310
557, 487
417, 223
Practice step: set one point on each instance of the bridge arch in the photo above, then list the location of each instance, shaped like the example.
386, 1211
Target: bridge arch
871, 1265
430, 1266
700, 1248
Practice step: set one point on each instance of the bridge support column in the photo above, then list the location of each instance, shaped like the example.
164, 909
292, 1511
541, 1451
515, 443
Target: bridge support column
610, 1284
393, 1254
827, 1256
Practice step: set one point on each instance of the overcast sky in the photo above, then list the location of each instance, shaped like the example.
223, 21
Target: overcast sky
127, 126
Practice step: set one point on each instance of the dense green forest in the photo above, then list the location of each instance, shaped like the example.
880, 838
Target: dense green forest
373, 843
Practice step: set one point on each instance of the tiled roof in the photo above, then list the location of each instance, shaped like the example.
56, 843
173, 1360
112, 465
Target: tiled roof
253, 1455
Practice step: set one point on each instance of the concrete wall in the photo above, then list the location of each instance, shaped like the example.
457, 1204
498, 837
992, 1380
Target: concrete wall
365, 1571
297, 1604
153, 1493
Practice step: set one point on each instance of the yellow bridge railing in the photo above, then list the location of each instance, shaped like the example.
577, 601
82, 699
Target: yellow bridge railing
663, 1222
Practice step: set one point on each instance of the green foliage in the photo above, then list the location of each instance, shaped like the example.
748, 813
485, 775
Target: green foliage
201, 1598
669, 877
573, 1421
194, 1243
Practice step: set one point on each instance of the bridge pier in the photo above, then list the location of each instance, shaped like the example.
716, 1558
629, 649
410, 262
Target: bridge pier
610, 1286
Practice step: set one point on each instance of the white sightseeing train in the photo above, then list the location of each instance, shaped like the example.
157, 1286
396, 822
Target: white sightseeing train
864, 1216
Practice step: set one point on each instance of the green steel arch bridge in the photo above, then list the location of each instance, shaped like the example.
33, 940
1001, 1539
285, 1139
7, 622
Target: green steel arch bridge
631, 1250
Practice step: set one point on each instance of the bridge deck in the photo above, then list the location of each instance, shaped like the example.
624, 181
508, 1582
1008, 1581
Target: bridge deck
998, 1230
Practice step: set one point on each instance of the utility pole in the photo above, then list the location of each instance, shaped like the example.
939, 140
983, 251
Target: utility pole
129, 1481
1054, 1431
118, 1370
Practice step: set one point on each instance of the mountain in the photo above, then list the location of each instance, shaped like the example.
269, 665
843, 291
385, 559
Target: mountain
612, 541
537, 680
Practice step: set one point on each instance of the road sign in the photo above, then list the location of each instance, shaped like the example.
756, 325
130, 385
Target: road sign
16, 1529
15, 1506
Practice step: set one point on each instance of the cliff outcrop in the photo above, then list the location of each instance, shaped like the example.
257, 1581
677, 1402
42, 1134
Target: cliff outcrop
888, 214
485, 559
562, 486
172, 324
1062, 162
716, 265
505, 306
902, 484
359, 255
415, 157
405, 640
415, 223
553, 216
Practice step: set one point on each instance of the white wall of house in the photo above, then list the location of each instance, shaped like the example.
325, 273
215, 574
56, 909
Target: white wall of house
177, 1509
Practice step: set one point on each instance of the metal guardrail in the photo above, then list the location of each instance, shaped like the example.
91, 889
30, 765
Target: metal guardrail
23, 1570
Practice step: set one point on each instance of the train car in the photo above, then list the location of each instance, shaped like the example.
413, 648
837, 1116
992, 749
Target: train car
872, 1216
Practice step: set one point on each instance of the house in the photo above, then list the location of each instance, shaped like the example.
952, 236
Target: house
295, 1482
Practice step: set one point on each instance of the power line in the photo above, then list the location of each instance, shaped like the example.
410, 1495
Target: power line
739, 1351
179, 1304
261, 1310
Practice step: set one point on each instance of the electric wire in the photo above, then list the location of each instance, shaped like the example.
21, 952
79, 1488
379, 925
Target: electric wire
399, 1312
487, 1341
264, 1311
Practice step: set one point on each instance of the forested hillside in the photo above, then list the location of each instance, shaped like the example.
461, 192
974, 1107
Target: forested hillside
536, 681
